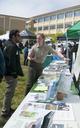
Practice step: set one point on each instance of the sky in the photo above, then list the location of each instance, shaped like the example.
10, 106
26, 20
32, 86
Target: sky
29, 8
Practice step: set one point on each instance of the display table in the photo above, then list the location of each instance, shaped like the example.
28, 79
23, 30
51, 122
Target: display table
41, 107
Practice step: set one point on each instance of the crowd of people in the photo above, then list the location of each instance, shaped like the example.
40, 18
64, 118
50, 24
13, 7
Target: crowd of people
10, 66
69, 52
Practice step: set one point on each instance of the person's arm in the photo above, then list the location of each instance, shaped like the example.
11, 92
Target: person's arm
12, 59
31, 55
53, 51
60, 55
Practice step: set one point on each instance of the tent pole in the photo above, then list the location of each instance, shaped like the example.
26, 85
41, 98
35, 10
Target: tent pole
67, 53
67, 45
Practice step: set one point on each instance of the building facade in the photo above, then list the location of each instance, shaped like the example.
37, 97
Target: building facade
11, 22
49, 23
56, 22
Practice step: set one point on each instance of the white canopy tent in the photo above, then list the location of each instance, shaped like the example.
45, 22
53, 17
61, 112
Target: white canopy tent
5, 36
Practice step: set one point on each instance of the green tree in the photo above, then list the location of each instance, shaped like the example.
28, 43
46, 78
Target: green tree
54, 36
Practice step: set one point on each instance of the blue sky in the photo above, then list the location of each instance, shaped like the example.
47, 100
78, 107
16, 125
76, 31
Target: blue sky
29, 8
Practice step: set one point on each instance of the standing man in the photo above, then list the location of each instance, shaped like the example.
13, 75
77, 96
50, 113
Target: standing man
36, 58
13, 70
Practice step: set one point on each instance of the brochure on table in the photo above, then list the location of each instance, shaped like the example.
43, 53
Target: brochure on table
41, 101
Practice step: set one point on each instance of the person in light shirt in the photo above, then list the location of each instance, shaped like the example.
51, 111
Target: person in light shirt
36, 58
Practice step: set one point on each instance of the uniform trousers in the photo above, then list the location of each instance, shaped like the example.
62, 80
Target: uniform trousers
10, 89
34, 71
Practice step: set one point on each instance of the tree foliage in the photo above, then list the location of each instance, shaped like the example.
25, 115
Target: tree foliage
54, 36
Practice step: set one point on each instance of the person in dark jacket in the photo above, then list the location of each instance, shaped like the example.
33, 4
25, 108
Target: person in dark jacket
2, 65
13, 70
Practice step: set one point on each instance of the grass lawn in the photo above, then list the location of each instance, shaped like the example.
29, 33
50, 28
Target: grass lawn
19, 93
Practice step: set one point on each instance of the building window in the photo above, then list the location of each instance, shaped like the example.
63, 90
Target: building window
1, 23
39, 28
67, 25
77, 13
52, 27
47, 18
35, 20
68, 14
45, 27
60, 16
41, 20
59, 26
53, 17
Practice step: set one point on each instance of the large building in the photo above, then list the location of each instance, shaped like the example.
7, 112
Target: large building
48, 23
11, 22
57, 21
